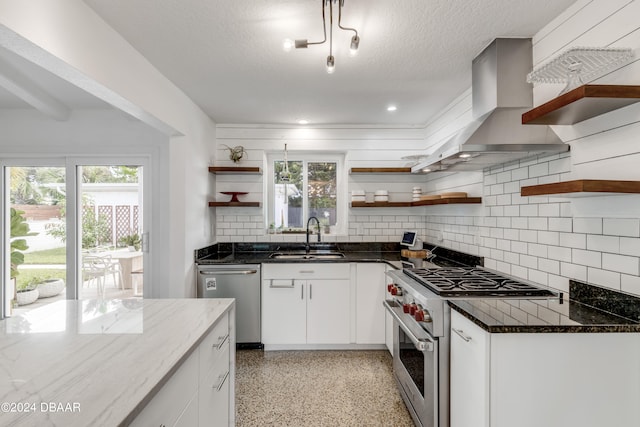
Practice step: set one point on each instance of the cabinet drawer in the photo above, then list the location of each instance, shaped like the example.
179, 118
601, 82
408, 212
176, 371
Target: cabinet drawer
172, 399
214, 393
214, 344
303, 270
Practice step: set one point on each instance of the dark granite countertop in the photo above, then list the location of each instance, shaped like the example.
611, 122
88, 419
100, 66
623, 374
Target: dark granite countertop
555, 315
259, 253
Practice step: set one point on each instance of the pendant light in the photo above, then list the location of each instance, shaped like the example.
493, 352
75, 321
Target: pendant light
285, 175
355, 40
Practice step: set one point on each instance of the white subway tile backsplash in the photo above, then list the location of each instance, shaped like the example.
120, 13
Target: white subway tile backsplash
529, 236
560, 224
603, 243
529, 210
621, 263
519, 222
607, 279
549, 266
587, 225
540, 169
573, 271
519, 174
551, 209
566, 210
538, 224
512, 187
528, 261
629, 246
559, 253
503, 177
630, 284
519, 247
589, 258
573, 240
627, 227
537, 250
511, 234
549, 237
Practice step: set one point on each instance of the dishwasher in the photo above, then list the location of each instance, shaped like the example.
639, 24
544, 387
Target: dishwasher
239, 281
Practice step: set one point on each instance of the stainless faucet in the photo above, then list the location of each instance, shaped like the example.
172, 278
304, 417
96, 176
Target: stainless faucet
307, 247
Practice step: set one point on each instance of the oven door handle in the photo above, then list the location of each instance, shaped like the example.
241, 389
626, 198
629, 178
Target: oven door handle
421, 344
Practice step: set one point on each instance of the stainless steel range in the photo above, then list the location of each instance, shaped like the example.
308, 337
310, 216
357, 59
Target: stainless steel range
417, 300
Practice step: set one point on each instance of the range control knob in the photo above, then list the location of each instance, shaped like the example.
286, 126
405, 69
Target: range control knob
389, 287
422, 315
406, 307
412, 308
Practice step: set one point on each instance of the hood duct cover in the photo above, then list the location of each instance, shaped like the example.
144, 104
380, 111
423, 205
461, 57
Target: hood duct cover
500, 96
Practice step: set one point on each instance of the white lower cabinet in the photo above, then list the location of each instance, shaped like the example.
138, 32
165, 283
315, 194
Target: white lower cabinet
305, 303
370, 293
543, 379
200, 392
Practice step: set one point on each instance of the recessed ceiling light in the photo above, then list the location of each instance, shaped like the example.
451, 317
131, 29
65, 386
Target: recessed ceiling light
464, 156
392, 108
426, 170
287, 45
303, 122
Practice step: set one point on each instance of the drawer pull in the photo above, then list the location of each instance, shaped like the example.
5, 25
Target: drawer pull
221, 341
271, 285
461, 334
223, 378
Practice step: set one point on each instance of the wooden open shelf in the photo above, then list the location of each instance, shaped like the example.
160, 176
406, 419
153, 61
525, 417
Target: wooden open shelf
582, 103
235, 204
448, 201
234, 169
457, 200
380, 170
582, 187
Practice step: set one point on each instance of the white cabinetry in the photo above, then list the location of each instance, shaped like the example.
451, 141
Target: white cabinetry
199, 392
543, 379
370, 293
305, 303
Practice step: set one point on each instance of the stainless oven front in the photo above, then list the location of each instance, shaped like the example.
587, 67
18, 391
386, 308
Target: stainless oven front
416, 357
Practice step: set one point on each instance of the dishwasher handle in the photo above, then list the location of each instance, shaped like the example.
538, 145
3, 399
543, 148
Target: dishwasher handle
227, 272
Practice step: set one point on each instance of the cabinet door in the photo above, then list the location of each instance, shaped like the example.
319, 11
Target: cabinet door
283, 311
370, 314
328, 315
469, 373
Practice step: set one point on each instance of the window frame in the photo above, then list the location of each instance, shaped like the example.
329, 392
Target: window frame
341, 225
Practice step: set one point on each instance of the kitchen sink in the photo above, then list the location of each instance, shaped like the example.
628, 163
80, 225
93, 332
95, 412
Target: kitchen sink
309, 256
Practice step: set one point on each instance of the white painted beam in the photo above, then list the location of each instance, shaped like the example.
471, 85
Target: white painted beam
24, 88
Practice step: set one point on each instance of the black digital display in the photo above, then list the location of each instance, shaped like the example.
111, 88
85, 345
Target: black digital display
409, 238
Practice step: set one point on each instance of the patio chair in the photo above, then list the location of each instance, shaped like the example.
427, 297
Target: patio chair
98, 267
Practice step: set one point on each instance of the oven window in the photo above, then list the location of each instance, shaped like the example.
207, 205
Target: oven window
413, 360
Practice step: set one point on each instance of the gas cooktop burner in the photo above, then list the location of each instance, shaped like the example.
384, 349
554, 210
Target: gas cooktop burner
471, 281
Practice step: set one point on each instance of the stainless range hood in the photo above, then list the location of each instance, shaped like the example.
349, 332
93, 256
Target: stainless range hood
500, 94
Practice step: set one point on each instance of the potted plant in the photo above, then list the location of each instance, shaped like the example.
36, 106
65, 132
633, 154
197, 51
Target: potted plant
132, 241
49, 287
19, 230
27, 293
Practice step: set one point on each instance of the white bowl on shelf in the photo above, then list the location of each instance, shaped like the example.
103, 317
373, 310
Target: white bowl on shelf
380, 198
381, 193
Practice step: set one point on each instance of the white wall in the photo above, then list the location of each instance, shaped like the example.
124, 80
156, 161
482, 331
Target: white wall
67, 38
361, 146
550, 240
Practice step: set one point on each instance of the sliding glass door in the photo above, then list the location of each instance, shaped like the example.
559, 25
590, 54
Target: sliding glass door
37, 244
72, 229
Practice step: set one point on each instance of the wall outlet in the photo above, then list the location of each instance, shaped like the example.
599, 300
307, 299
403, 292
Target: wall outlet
440, 236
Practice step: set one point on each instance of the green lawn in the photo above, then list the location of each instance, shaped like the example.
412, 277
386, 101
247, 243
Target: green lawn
27, 275
47, 256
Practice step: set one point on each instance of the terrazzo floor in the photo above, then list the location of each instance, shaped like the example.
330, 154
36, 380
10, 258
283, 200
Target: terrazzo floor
317, 388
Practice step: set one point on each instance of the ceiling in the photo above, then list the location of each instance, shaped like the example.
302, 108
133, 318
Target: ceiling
227, 56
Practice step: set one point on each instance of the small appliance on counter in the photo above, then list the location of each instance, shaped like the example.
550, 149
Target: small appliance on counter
414, 251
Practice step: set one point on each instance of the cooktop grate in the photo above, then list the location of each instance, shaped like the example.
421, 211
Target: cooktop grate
472, 281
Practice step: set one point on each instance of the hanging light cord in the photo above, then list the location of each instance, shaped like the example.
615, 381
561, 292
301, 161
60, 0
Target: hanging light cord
340, 20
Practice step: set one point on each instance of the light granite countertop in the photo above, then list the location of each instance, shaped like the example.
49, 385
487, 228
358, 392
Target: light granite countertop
91, 362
